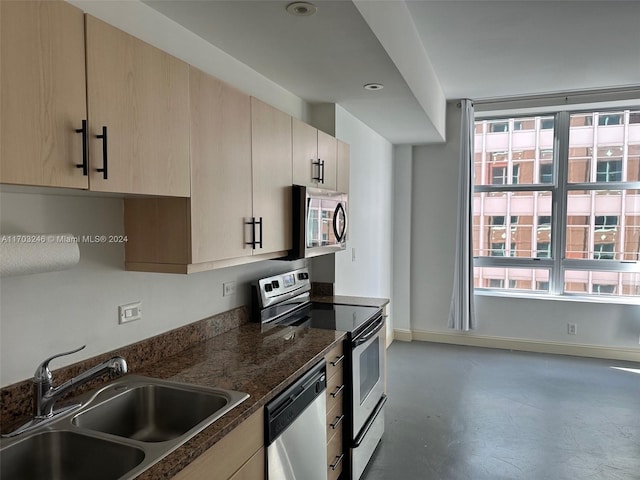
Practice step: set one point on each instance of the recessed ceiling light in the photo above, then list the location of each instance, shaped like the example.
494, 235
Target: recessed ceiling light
373, 86
301, 9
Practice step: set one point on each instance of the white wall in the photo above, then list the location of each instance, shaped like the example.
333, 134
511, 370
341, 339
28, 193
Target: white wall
53, 312
402, 192
370, 206
432, 252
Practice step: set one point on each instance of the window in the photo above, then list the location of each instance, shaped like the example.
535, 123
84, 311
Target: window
544, 250
605, 223
609, 119
546, 173
604, 251
609, 171
601, 289
564, 219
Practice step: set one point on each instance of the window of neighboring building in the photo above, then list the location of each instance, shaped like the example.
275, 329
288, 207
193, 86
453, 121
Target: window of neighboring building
546, 123
499, 127
601, 289
609, 119
604, 251
604, 223
544, 250
546, 173
609, 171
580, 181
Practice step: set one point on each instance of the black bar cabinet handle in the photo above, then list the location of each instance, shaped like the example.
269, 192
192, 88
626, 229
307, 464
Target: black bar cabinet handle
85, 150
253, 232
337, 392
104, 169
319, 164
335, 464
260, 241
337, 422
322, 171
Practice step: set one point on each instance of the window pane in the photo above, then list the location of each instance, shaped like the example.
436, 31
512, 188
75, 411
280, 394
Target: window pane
512, 224
525, 279
602, 282
512, 151
604, 147
603, 225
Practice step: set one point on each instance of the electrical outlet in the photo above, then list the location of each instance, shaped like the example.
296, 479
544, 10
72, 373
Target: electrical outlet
572, 328
353, 254
228, 288
129, 312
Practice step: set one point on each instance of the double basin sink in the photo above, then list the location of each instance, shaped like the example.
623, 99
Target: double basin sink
117, 432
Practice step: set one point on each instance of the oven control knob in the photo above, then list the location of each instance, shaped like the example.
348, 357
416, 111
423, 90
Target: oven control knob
267, 287
275, 284
303, 276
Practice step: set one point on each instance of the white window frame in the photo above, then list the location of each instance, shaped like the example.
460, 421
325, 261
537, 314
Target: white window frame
559, 189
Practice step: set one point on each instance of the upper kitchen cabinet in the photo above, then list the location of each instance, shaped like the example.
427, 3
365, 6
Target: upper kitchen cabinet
272, 178
43, 104
221, 198
240, 205
343, 167
138, 104
314, 157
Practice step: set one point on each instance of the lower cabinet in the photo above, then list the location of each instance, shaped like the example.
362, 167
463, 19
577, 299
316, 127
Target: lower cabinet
238, 456
335, 412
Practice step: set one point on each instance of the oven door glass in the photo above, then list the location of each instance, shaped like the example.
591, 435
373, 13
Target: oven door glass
369, 368
368, 387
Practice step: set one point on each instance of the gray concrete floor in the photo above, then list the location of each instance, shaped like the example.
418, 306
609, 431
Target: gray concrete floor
466, 413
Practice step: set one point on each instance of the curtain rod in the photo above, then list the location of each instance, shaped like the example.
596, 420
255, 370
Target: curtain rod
620, 93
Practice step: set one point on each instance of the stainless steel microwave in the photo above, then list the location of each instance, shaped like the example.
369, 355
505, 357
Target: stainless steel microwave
320, 222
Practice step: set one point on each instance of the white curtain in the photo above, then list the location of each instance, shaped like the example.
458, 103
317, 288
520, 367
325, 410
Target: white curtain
461, 313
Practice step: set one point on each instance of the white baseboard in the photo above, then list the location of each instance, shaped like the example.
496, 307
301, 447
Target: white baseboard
594, 351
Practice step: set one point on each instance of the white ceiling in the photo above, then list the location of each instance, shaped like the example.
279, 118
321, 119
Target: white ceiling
479, 49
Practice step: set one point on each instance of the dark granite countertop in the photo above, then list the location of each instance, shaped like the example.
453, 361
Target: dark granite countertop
243, 359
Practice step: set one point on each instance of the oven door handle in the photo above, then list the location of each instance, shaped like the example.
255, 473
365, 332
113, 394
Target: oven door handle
367, 426
370, 332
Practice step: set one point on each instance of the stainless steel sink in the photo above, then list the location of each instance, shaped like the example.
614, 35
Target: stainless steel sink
67, 455
118, 432
153, 413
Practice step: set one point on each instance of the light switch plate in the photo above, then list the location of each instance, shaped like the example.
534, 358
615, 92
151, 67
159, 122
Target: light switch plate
129, 312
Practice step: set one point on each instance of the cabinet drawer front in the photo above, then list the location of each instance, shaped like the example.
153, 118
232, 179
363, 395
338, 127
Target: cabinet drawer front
230, 453
335, 360
335, 419
335, 391
335, 455
253, 469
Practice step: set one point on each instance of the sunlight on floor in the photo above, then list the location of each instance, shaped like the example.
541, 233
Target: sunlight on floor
632, 370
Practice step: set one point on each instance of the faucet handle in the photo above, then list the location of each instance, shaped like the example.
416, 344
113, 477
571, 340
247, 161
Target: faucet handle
43, 374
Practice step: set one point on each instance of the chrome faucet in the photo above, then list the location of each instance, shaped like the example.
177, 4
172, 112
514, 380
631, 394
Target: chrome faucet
45, 394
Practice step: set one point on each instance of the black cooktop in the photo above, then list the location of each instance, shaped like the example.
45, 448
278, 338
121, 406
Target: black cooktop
328, 316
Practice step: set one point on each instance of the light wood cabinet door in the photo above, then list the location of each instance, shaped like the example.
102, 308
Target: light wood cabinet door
220, 168
272, 175
141, 95
42, 93
343, 168
230, 454
306, 169
327, 154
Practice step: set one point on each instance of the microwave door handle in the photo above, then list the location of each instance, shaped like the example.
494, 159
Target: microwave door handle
370, 332
337, 212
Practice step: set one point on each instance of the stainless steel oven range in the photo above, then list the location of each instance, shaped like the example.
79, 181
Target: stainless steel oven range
284, 300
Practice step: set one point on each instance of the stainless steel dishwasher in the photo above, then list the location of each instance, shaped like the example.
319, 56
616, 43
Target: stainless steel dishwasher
296, 435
